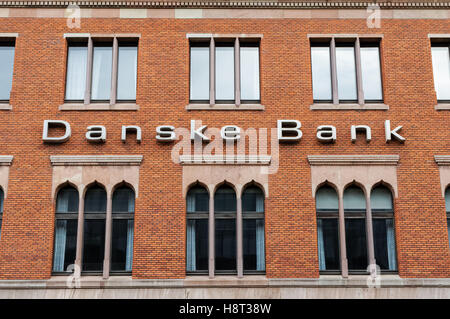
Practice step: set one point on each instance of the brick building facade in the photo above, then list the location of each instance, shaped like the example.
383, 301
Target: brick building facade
289, 175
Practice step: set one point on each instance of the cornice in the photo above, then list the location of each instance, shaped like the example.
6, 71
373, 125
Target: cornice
226, 4
94, 160
442, 160
6, 160
330, 160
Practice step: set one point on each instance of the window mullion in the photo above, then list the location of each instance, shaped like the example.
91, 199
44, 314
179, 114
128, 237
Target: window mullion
108, 233
114, 72
342, 244
212, 74
87, 91
239, 237
237, 73
369, 236
211, 237
334, 71
80, 228
359, 72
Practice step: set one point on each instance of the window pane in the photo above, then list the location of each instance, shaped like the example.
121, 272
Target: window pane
67, 201
0, 228
321, 73
199, 73
448, 228
94, 244
355, 238
328, 238
225, 243
447, 200
253, 200
122, 244
197, 200
381, 198
384, 242
327, 199
253, 244
371, 73
76, 73
441, 71
127, 73
346, 73
1, 200
354, 199
101, 73
249, 69
224, 73
197, 245
6, 73
65, 244
95, 200
225, 200
123, 200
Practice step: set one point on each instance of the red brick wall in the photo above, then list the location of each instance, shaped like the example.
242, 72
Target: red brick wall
26, 245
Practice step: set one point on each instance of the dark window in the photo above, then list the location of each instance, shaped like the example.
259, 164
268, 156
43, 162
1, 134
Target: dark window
65, 229
253, 229
123, 229
447, 208
197, 206
7, 48
327, 208
225, 229
94, 229
1, 210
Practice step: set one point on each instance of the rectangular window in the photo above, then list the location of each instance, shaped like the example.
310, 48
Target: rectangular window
94, 244
384, 243
441, 70
7, 48
65, 244
356, 245
346, 71
197, 245
253, 244
225, 244
235, 75
328, 237
101, 70
122, 244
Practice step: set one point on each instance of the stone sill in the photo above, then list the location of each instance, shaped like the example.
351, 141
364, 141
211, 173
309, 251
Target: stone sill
5, 107
224, 107
349, 107
99, 107
442, 106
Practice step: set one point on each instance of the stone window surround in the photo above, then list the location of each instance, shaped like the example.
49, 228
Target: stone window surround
211, 174
6, 106
82, 171
112, 105
443, 161
212, 106
5, 163
361, 105
440, 106
365, 171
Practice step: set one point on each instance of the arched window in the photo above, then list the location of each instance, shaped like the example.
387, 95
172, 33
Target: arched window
327, 209
383, 228
253, 229
2, 196
122, 229
65, 229
197, 211
94, 228
225, 229
355, 228
447, 208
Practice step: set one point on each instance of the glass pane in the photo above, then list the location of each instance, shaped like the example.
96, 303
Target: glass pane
224, 73
371, 73
127, 73
327, 199
321, 73
225, 200
65, 244
225, 244
0, 228
95, 200
346, 73
123, 200
199, 73
67, 200
197, 245
354, 199
122, 241
355, 239
381, 198
249, 70
197, 200
1, 201
448, 228
384, 242
101, 73
76, 73
6, 73
441, 71
253, 244
94, 244
253, 200
328, 234
447, 200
